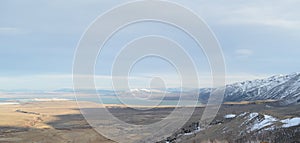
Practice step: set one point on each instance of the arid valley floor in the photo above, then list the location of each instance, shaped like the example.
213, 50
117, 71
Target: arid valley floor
61, 122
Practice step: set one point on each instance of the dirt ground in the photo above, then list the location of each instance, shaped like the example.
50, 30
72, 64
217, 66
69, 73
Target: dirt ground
46, 122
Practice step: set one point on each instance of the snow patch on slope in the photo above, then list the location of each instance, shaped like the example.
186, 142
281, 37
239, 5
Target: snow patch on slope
290, 122
193, 132
229, 116
266, 121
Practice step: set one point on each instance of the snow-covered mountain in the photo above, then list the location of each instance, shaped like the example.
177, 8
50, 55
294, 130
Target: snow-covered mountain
285, 88
144, 90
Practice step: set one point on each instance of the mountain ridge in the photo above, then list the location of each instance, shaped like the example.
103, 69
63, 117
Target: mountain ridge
285, 88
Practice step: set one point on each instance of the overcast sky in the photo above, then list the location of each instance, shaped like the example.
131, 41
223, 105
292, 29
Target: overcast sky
38, 40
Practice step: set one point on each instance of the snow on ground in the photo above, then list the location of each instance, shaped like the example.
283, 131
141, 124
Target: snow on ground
193, 132
251, 116
290, 122
50, 99
9, 103
229, 116
243, 114
267, 121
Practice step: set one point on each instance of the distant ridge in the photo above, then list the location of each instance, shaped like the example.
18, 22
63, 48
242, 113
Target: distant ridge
285, 88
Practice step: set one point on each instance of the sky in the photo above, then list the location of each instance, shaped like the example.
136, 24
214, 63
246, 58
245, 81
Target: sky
38, 40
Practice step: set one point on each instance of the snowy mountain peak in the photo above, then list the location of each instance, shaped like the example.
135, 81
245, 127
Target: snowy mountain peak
285, 88
136, 90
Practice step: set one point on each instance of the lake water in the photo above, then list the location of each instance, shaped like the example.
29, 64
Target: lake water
104, 100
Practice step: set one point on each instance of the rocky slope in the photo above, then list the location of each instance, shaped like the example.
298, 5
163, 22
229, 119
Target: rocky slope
244, 123
284, 88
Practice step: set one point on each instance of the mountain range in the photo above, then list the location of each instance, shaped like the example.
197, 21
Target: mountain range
283, 88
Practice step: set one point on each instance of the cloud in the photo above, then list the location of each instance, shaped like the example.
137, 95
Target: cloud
265, 15
240, 77
279, 14
10, 31
58, 81
254, 16
243, 52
